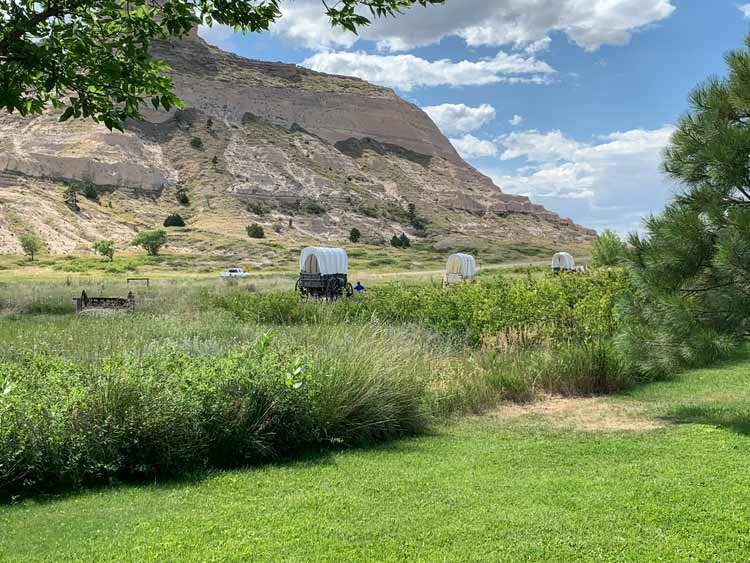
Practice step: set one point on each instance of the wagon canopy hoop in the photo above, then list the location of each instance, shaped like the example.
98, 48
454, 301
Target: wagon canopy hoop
323, 261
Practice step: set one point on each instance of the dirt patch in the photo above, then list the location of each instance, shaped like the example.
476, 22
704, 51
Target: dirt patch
586, 414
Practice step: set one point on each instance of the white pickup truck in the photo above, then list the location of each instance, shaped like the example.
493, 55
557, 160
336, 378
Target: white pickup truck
234, 273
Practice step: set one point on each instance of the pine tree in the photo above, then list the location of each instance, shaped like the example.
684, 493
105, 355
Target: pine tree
691, 270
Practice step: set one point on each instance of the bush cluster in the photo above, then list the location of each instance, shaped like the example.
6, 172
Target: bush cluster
174, 220
255, 231
498, 312
170, 412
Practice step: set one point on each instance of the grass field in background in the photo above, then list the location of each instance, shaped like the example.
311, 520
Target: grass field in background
515, 485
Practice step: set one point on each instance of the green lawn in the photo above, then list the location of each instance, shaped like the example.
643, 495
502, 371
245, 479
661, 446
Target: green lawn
492, 488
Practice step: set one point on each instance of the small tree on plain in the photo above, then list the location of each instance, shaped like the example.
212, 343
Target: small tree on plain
30, 245
405, 242
355, 235
608, 250
105, 248
396, 241
151, 241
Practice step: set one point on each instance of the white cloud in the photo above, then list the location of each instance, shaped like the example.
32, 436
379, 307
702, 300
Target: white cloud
469, 146
305, 22
745, 9
524, 23
516, 120
453, 119
536, 146
407, 72
217, 34
610, 182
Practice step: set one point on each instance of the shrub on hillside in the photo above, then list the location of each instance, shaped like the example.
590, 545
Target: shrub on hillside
174, 220
70, 197
313, 207
196, 142
355, 235
183, 197
255, 231
89, 191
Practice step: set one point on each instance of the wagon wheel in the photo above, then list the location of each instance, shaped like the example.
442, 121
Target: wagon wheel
349, 290
333, 289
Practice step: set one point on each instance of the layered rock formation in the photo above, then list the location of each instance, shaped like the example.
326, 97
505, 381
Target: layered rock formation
306, 154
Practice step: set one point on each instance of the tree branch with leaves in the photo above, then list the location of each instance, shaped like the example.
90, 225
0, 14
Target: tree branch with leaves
91, 58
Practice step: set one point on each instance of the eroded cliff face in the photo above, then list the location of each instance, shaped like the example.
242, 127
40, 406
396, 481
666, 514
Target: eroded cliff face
307, 155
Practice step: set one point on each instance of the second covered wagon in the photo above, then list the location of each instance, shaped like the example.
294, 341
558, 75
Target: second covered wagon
460, 267
563, 262
323, 273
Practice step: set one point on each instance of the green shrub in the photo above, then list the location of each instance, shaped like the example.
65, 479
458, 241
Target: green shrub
608, 250
313, 207
151, 241
105, 248
255, 231
369, 211
497, 312
256, 208
196, 142
355, 235
89, 191
49, 309
174, 220
170, 412
182, 197
70, 197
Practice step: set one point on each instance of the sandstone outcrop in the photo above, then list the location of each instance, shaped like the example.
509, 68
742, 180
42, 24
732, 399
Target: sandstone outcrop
307, 155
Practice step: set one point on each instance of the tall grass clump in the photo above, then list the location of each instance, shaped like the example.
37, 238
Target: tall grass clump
170, 412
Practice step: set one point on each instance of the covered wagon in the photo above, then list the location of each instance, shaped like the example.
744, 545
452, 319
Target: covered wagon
563, 262
323, 273
460, 267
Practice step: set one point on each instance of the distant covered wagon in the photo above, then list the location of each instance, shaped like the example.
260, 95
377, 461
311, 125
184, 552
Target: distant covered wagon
563, 262
323, 273
460, 267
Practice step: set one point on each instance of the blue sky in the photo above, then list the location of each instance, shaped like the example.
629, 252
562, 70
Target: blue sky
569, 102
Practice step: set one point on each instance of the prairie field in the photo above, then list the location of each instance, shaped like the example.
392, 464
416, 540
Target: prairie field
233, 421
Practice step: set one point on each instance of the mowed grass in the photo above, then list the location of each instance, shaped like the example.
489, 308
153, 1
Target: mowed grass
485, 489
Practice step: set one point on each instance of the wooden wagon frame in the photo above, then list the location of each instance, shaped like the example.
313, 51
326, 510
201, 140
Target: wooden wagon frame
323, 273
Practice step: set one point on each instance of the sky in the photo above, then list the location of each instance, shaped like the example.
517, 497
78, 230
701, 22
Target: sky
569, 102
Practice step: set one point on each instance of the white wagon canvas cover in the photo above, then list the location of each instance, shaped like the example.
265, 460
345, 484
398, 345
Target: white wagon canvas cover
324, 261
563, 261
461, 265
